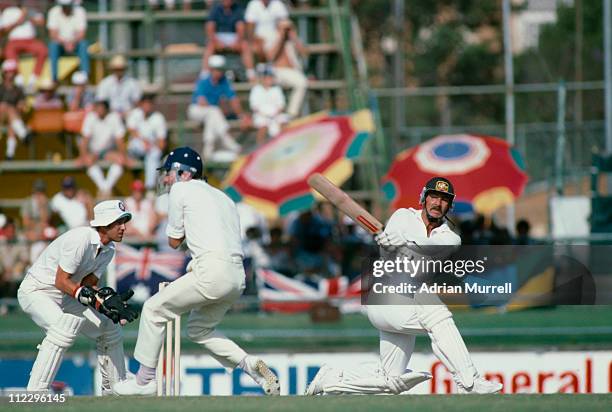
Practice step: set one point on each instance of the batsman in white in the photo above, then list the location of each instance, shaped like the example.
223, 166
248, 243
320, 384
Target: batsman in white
417, 233
207, 220
61, 295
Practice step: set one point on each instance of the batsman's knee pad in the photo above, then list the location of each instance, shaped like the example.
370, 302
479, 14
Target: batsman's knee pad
431, 315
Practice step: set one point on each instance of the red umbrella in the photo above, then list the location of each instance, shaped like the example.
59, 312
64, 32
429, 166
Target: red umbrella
487, 172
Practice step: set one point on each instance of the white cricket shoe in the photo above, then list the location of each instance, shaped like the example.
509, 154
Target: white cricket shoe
317, 384
129, 386
262, 374
481, 386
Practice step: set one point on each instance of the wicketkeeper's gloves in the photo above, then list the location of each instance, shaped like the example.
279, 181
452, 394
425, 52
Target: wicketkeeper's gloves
108, 302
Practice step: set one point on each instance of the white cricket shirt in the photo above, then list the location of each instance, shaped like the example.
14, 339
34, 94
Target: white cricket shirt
25, 31
102, 132
265, 18
151, 128
76, 252
67, 26
409, 223
206, 216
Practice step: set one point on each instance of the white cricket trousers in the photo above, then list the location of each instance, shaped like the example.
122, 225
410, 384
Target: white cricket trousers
297, 82
216, 128
46, 305
213, 282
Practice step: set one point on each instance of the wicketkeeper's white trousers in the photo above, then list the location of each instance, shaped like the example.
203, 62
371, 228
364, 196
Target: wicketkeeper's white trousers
209, 288
46, 305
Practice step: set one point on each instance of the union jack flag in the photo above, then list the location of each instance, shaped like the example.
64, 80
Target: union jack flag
143, 269
279, 293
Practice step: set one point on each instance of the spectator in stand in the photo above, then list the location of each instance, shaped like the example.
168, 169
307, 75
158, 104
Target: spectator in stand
522, 233
144, 219
35, 215
284, 55
19, 23
46, 98
80, 98
67, 24
311, 236
12, 106
14, 260
267, 103
122, 91
72, 205
279, 252
262, 17
147, 137
102, 139
226, 31
210, 95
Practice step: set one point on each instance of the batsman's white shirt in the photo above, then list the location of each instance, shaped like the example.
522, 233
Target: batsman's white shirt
78, 252
205, 216
409, 222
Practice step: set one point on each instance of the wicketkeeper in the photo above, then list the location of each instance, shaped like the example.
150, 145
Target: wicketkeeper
61, 295
207, 220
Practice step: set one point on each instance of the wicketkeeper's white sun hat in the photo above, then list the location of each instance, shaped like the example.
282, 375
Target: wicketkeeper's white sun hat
109, 211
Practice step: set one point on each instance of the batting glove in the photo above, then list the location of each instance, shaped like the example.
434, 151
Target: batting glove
389, 240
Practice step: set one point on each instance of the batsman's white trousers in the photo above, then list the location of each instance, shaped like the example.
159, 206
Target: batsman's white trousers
398, 325
213, 282
46, 304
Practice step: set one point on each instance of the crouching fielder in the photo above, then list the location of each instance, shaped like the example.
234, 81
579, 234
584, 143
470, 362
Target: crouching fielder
59, 292
207, 220
418, 233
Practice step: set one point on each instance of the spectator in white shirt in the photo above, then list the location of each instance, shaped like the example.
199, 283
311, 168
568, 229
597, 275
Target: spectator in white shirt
147, 137
71, 204
284, 55
67, 24
121, 90
267, 103
103, 133
19, 22
262, 17
144, 218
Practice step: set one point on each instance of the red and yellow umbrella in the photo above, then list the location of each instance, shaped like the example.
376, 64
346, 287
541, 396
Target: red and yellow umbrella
273, 178
487, 172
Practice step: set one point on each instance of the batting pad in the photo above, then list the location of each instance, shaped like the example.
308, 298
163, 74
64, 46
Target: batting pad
51, 351
448, 346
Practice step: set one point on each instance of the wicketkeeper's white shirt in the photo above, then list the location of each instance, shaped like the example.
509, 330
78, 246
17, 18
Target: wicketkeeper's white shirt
76, 252
205, 216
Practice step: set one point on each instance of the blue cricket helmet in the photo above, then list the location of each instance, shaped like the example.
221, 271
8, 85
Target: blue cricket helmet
184, 159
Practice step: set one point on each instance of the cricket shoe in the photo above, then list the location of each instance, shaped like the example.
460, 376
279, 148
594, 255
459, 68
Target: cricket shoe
481, 386
317, 385
129, 386
262, 374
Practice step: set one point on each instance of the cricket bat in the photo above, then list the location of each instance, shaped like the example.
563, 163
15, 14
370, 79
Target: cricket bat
345, 203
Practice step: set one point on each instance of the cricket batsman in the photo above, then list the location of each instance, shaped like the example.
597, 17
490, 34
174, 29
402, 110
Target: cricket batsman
416, 233
207, 220
61, 295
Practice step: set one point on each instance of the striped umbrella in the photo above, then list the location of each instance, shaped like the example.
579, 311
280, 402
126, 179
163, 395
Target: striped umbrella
273, 178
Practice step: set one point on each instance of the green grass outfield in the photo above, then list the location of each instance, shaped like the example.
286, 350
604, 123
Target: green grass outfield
564, 327
443, 403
